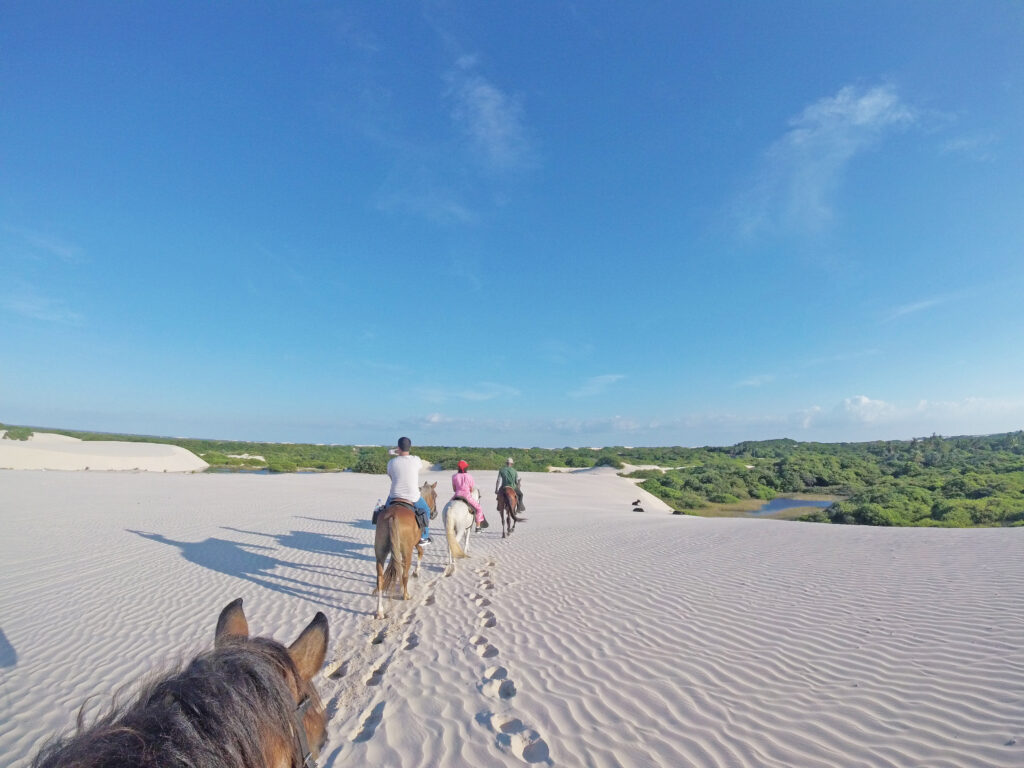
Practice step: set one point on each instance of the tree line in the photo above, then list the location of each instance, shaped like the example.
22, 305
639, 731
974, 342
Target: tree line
934, 481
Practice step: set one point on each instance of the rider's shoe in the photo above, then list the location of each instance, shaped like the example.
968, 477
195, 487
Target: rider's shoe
425, 542
483, 524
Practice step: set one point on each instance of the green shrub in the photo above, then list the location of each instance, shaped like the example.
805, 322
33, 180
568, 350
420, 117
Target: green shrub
371, 464
17, 433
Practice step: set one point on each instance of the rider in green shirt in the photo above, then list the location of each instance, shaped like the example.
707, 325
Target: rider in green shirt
508, 477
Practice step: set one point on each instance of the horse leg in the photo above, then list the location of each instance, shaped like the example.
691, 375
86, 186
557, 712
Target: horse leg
406, 565
419, 559
380, 588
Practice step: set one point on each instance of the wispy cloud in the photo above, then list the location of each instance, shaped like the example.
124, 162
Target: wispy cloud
33, 306
597, 385
979, 148
917, 306
491, 119
757, 381
481, 392
416, 192
802, 170
42, 244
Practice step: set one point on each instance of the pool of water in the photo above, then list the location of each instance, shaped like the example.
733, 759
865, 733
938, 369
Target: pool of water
781, 503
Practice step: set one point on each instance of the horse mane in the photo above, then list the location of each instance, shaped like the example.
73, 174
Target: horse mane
223, 710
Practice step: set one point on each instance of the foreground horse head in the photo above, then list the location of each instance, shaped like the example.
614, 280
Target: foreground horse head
398, 533
249, 702
458, 523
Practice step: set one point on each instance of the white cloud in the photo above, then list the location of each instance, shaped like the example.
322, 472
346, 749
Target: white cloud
863, 409
802, 170
597, 385
491, 119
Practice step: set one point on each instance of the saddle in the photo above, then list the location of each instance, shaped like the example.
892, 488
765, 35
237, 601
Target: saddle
468, 501
395, 502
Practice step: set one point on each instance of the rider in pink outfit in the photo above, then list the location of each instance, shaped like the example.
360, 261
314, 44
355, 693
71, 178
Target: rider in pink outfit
463, 484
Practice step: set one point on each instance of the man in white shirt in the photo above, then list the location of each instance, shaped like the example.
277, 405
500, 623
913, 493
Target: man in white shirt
404, 471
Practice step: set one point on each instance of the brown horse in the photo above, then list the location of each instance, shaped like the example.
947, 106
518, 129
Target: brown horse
398, 533
507, 503
247, 702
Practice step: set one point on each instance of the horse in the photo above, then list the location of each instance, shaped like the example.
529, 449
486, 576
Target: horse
459, 520
398, 533
508, 500
247, 702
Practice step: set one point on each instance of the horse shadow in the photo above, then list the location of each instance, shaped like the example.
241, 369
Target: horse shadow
244, 561
8, 656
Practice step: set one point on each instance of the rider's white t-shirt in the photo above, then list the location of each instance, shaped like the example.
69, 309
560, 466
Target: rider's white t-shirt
404, 472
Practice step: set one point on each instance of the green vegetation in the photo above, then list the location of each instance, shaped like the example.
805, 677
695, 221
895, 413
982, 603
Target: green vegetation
16, 433
936, 481
951, 482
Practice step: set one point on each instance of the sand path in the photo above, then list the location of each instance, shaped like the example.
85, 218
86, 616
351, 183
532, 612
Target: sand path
595, 636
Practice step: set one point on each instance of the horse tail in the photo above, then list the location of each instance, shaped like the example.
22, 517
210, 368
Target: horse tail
511, 499
396, 555
454, 548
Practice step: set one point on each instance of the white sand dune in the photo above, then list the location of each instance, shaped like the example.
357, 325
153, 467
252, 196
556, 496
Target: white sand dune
46, 450
595, 636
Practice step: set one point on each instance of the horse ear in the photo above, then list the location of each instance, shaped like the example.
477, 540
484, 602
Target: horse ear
434, 485
231, 623
310, 649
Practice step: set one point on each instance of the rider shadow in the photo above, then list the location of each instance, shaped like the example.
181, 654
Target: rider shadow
237, 560
315, 543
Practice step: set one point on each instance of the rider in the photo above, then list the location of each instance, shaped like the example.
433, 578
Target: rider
404, 471
463, 485
509, 478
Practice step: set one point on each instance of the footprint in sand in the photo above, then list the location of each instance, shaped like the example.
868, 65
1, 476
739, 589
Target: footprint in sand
379, 637
482, 602
430, 600
522, 741
487, 584
378, 674
370, 723
498, 689
483, 648
336, 669
486, 619
412, 641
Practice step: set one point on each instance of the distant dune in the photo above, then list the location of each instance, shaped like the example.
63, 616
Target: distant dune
45, 450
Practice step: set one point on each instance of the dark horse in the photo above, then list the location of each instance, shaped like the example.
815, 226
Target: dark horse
399, 534
508, 501
248, 702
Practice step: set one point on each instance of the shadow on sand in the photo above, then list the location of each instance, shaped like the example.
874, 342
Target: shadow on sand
251, 562
8, 656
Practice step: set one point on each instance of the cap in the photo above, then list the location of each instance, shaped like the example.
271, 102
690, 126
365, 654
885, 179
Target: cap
509, 460
463, 464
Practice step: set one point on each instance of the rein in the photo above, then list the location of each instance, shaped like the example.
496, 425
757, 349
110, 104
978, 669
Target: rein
303, 754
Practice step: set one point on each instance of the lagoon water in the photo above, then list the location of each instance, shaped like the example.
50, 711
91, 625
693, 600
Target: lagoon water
781, 503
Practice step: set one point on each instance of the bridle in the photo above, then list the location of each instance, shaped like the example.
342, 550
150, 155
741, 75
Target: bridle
303, 754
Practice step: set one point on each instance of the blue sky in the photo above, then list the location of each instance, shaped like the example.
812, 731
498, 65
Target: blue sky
528, 223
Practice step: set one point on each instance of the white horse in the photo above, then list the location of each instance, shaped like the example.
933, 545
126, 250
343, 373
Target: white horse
459, 519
